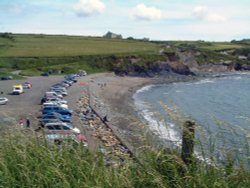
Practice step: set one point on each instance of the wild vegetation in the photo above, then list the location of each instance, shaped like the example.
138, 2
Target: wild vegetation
28, 161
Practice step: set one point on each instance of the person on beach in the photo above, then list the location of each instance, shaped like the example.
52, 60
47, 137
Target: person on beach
21, 122
105, 119
27, 123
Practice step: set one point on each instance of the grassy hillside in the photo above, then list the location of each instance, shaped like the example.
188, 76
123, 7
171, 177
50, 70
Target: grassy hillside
34, 54
203, 45
59, 46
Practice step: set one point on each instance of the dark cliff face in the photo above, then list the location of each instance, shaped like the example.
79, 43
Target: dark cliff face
189, 58
133, 67
179, 62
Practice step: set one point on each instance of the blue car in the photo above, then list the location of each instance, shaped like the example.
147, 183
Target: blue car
66, 117
58, 109
55, 117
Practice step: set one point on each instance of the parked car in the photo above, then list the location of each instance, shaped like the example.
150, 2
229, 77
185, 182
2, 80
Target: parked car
66, 118
7, 78
60, 92
64, 84
58, 109
3, 100
51, 94
27, 85
53, 117
57, 138
70, 82
71, 77
55, 99
82, 73
17, 90
61, 128
45, 74
50, 103
58, 88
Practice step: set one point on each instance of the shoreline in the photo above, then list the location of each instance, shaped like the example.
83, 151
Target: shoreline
114, 96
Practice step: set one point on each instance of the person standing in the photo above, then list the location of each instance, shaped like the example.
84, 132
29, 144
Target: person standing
27, 123
21, 122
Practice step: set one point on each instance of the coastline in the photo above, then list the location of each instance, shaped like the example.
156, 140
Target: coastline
113, 97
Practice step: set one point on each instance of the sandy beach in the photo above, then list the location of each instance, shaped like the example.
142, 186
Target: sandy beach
112, 96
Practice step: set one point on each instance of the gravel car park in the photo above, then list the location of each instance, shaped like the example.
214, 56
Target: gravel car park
27, 104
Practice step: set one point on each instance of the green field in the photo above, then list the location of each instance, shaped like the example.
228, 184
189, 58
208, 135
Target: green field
34, 54
203, 45
60, 46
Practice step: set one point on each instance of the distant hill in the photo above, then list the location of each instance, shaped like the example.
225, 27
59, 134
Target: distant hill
34, 54
243, 41
31, 45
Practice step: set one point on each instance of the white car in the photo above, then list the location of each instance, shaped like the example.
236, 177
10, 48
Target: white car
3, 100
51, 94
60, 92
61, 128
50, 103
56, 100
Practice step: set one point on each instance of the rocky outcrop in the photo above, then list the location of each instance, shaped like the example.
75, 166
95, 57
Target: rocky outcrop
242, 67
188, 58
182, 62
132, 67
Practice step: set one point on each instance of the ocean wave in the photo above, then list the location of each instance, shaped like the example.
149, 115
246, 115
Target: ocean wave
234, 77
205, 81
145, 88
165, 131
179, 91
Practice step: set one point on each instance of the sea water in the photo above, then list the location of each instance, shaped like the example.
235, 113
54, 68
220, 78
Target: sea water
220, 106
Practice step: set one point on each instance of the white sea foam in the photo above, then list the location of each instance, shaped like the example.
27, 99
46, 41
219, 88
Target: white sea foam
163, 130
234, 77
145, 88
160, 128
179, 91
205, 81
238, 78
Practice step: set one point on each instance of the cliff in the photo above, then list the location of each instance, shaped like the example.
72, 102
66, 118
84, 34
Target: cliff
184, 62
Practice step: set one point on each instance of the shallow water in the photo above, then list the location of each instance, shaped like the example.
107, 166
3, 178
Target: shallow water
220, 106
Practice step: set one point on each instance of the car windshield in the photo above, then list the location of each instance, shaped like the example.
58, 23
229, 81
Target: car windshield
58, 127
49, 117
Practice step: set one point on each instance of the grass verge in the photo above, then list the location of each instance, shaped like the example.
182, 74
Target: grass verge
29, 161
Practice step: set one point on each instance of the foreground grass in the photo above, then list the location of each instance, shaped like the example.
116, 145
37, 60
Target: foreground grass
26, 161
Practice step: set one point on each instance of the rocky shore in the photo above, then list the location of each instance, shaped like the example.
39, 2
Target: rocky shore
107, 98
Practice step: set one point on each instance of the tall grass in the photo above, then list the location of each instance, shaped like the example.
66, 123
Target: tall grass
29, 161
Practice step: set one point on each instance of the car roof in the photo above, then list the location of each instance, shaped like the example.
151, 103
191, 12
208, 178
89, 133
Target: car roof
56, 123
53, 114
